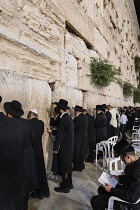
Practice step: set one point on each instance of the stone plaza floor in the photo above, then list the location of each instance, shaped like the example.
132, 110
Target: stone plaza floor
85, 186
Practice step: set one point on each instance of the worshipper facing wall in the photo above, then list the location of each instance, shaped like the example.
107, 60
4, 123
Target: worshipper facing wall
91, 132
14, 110
81, 142
63, 147
100, 124
38, 127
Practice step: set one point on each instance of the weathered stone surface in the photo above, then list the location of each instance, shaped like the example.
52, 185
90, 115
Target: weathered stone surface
46, 42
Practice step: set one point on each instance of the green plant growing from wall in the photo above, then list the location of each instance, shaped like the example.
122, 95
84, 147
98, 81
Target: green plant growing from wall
136, 95
137, 64
102, 72
127, 89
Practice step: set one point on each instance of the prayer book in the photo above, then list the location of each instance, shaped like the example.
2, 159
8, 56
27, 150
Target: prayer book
105, 178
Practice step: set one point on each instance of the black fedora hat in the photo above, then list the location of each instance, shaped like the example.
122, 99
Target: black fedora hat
62, 104
99, 107
78, 108
122, 147
14, 108
104, 106
0, 99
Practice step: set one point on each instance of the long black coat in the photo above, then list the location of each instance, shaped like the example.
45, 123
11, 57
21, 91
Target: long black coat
100, 126
12, 140
130, 188
38, 126
31, 181
81, 142
64, 143
91, 131
108, 126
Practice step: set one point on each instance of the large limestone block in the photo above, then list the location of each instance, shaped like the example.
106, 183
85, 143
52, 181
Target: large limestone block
100, 43
7, 6
72, 12
23, 60
41, 19
88, 7
71, 70
72, 95
83, 78
76, 47
13, 87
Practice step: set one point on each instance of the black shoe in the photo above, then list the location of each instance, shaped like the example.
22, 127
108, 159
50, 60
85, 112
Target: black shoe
39, 196
61, 189
70, 186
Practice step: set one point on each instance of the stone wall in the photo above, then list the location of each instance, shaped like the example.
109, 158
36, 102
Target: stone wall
46, 46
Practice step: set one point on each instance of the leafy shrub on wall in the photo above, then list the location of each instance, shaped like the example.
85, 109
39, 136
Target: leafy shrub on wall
127, 89
102, 72
136, 95
137, 64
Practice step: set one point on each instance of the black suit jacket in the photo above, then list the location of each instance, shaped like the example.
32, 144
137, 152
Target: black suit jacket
12, 140
64, 144
81, 142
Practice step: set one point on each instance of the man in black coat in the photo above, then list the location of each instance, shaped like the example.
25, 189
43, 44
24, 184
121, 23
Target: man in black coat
91, 136
38, 126
81, 142
63, 146
108, 117
129, 183
12, 140
14, 110
100, 124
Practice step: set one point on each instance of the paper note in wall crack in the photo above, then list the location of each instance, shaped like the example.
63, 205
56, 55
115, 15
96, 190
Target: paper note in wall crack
105, 178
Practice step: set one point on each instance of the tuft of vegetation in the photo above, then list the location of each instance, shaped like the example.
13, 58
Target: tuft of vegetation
127, 89
136, 95
102, 72
137, 64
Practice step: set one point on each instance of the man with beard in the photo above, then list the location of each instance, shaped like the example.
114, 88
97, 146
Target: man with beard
81, 142
63, 147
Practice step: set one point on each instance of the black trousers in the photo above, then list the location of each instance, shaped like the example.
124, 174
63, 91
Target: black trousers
90, 156
79, 163
114, 131
100, 202
123, 130
66, 180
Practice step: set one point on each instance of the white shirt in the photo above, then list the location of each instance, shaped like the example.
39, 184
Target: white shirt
78, 114
113, 120
62, 114
123, 119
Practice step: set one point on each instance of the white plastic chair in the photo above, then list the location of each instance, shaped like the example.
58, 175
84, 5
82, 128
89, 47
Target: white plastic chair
135, 132
113, 198
109, 158
136, 142
99, 146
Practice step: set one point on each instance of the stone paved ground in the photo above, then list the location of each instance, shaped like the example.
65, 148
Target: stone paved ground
85, 186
